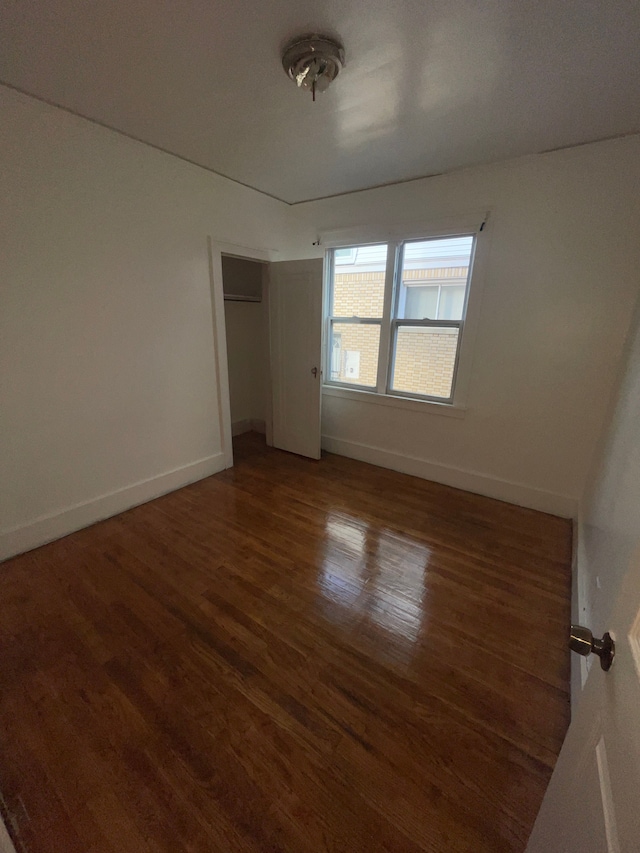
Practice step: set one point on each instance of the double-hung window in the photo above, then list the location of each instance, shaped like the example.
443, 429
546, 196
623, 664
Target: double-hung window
396, 314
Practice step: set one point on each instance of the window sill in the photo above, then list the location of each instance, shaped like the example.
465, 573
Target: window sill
430, 407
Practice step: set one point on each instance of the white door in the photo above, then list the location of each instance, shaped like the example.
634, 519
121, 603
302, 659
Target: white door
295, 312
592, 804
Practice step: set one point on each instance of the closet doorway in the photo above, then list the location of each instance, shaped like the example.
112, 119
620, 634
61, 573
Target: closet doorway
247, 331
267, 319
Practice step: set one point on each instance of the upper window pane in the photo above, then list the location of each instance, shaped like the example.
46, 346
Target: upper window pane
451, 302
345, 256
358, 281
421, 302
433, 279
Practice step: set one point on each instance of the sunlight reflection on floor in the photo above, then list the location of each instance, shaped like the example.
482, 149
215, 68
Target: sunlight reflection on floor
375, 575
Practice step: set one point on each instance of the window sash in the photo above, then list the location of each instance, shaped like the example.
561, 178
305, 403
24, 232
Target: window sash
434, 324
442, 323
354, 320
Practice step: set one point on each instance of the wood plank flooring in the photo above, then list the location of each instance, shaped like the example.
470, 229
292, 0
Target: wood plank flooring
288, 656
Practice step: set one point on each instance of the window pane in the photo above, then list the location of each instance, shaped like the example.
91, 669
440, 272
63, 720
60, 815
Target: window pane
451, 302
439, 263
425, 358
344, 256
354, 353
421, 302
358, 281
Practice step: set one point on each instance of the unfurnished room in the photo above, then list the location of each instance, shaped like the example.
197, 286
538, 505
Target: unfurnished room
319, 426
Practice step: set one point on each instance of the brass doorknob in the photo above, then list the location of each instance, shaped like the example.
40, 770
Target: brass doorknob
582, 641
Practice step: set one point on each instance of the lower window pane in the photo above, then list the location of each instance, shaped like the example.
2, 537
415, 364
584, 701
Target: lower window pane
425, 360
354, 353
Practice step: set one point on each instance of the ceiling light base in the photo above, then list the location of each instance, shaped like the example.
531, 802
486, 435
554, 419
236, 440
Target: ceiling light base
313, 62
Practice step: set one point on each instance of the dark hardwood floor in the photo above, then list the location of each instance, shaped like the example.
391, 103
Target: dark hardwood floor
290, 655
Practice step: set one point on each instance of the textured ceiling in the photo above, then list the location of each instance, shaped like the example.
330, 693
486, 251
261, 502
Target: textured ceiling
429, 86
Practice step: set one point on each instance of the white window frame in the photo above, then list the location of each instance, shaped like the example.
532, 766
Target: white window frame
475, 225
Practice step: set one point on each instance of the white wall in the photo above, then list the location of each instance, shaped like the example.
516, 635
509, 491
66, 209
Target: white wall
609, 531
247, 357
560, 283
106, 338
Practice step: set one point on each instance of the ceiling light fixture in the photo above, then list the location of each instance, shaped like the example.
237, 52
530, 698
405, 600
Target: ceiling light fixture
313, 62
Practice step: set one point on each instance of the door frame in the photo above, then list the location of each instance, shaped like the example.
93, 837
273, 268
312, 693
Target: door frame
216, 249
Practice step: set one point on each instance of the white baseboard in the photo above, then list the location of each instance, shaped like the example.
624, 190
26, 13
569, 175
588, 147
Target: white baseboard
471, 481
54, 526
248, 425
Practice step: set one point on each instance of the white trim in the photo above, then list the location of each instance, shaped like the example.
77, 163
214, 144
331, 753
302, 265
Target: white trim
386, 335
448, 226
430, 407
580, 607
576, 678
216, 251
471, 481
235, 250
266, 316
606, 792
56, 525
221, 366
473, 306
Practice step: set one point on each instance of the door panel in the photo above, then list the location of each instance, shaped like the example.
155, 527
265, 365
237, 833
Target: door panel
593, 800
572, 814
592, 804
295, 308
